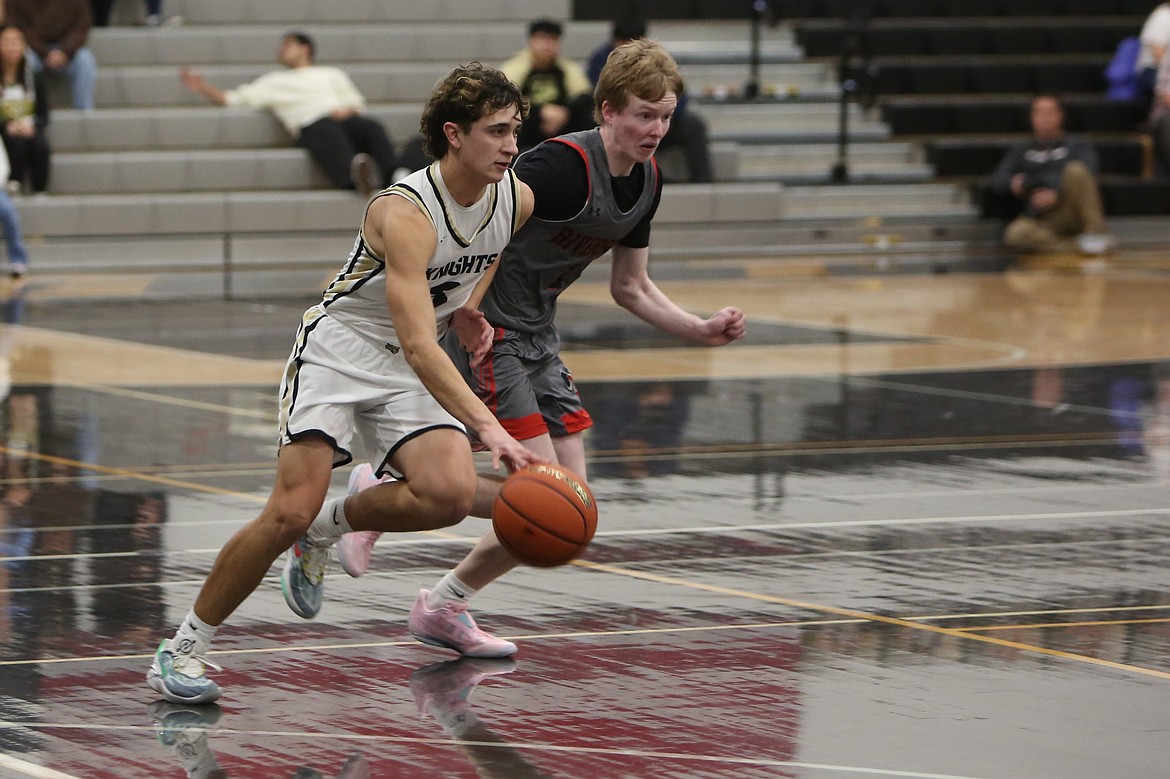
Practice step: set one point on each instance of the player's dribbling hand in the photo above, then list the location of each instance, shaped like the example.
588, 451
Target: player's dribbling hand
508, 450
724, 326
474, 333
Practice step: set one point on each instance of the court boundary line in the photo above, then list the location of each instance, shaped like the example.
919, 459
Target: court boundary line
524, 746
26, 768
287, 648
439, 537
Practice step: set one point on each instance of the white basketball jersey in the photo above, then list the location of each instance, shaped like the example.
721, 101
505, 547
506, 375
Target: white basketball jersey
468, 241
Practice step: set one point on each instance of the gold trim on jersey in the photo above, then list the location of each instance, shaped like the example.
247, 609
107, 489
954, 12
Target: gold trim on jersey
407, 193
291, 382
493, 194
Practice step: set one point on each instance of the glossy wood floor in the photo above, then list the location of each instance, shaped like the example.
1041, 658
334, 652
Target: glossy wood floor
913, 526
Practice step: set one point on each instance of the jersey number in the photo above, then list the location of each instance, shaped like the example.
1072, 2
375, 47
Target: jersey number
438, 293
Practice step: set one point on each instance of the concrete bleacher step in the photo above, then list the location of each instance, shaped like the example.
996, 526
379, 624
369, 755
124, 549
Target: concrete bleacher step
797, 237
229, 213
378, 39
878, 200
771, 122
312, 11
278, 242
812, 163
140, 87
369, 42
185, 170
804, 80
207, 127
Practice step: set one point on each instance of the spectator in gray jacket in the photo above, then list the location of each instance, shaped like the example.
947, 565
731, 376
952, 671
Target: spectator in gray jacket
1055, 176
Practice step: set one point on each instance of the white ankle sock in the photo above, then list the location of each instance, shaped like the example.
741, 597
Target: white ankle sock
448, 589
193, 636
330, 523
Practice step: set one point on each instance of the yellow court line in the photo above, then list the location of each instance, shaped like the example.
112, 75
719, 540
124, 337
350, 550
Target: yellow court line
861, 619
413, 642
131, 474
852, 614
1068, 624
1037, 612
847, 613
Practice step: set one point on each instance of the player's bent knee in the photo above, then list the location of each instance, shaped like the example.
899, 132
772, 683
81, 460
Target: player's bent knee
446, 504
285, 524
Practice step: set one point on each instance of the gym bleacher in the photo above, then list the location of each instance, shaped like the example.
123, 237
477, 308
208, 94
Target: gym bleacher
957, 77
210, 200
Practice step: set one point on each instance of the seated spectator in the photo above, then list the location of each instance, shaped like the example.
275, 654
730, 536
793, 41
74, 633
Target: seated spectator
57, 31
558, 91
687, 129
24, 114
1155, 37
321, 108
154, 17
1054, 176
10, 224
1160, 118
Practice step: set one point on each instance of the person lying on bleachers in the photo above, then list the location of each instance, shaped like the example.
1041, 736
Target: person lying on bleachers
321, 108
1054, 175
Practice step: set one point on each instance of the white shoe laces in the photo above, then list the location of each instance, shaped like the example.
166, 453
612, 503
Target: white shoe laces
314, 562
192, 665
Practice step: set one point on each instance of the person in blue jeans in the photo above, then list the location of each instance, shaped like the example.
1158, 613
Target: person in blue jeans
102, 9
10, 224
57, 31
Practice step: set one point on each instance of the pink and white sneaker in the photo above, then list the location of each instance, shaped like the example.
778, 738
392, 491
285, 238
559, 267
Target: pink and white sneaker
450, 626
354, 549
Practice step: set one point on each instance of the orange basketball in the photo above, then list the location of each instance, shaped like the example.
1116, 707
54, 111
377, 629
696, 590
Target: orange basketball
544, 515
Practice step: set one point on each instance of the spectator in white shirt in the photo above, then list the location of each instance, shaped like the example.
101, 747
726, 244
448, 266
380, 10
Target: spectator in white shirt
1155, 37
322, 110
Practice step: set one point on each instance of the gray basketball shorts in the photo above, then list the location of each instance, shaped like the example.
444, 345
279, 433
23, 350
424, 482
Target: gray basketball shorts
525, 384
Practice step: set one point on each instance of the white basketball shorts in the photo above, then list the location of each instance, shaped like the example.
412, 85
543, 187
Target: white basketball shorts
337, 383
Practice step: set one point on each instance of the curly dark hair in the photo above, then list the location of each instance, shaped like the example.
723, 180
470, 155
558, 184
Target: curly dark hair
463, 96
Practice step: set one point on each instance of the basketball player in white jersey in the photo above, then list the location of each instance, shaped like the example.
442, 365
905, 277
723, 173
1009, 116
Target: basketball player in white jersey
367, 359
595, 191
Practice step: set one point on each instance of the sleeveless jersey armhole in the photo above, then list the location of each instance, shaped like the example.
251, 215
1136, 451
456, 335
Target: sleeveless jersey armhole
588, 172
514, 188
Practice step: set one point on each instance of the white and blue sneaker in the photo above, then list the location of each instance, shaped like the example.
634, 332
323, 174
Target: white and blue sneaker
180, 678
303, 579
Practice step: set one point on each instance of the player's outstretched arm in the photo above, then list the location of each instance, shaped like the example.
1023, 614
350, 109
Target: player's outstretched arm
634, 290
409, 298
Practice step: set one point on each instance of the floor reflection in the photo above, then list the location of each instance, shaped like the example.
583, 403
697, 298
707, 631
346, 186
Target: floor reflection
892, 573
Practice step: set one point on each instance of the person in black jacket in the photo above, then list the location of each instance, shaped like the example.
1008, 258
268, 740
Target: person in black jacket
1055, 176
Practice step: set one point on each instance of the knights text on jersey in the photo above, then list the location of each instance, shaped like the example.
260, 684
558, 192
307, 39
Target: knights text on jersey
468, 241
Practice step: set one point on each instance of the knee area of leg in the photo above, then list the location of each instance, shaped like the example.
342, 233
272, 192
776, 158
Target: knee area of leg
1076, 171
1014, 234
450, 505
290, 524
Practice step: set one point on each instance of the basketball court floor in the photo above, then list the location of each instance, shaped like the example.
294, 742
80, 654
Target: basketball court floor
912, 526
